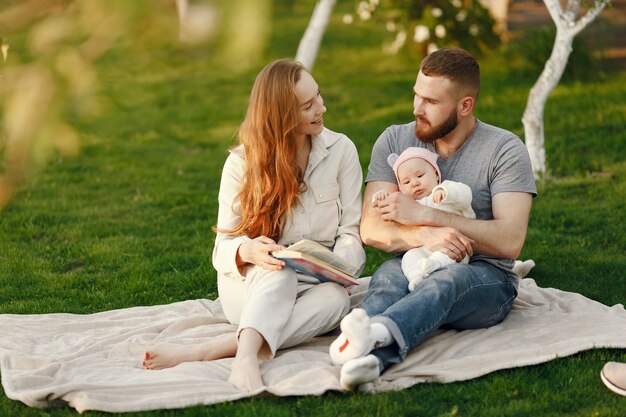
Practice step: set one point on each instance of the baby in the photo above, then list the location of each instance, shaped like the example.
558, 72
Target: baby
419, 176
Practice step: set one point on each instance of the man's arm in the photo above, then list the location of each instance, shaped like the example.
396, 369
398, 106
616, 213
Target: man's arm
395, 236
503, 236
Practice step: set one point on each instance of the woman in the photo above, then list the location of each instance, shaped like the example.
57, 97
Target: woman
290, 178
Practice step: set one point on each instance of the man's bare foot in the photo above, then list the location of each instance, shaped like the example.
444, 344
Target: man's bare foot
245, 374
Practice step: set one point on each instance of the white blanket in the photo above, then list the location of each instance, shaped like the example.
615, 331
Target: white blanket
93, 362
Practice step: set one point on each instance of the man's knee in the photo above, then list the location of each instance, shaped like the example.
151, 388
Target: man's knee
459, 280
449, 281
389, 273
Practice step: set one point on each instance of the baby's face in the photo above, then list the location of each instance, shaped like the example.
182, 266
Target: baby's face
417, 178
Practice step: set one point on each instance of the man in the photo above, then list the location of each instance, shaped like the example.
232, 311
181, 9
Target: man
494, 163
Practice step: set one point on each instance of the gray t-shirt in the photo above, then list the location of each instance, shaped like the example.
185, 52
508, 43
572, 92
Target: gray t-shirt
492, 160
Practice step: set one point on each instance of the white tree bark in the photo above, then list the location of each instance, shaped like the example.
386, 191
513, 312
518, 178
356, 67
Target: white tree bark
567, 27
312, 38
196, 22
181, 7
499, 10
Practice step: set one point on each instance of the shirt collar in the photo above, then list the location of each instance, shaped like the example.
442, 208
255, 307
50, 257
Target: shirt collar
319, 148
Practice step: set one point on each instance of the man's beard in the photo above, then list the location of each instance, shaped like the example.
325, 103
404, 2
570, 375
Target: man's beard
437, 132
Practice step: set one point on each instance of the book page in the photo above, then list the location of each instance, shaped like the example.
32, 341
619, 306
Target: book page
315, 269
323, 253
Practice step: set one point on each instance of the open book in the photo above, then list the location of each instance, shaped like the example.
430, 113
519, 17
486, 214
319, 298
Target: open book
316, 260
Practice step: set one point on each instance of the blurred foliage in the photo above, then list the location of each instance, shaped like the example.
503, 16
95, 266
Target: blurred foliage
48, 79
50, 49
527, 55
427, 25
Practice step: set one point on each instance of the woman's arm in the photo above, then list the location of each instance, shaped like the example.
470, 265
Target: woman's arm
232, 253
350, 179
225, 252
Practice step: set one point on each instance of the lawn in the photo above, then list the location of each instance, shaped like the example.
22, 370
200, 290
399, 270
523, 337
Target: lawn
128, 221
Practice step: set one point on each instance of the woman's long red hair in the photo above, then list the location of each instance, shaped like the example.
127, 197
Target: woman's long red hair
272, 179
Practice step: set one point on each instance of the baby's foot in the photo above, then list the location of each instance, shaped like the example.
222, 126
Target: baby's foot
428, 265
359, 371
415, 278
355, 339
521, 269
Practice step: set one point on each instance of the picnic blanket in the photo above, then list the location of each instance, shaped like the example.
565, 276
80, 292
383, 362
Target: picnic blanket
93, 362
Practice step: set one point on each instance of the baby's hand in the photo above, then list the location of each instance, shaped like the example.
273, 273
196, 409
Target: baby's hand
439, 195
379, 195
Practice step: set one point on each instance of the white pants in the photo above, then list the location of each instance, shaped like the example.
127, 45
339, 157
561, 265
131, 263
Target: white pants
420, 262
283, 309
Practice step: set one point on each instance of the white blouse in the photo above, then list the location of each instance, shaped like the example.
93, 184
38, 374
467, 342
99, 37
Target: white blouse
328, 211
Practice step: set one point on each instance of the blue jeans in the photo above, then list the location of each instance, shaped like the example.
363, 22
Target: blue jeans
459, 296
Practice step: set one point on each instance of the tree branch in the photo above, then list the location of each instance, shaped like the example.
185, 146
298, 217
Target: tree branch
589, 16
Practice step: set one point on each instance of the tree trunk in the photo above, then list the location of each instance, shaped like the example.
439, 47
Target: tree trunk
181, 8
567, 27
312, 38
537, 98
499, 10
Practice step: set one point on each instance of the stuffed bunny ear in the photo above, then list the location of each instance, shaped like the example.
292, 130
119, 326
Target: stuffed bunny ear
391, 159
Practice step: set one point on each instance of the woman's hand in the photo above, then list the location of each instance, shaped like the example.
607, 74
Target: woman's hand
257, 252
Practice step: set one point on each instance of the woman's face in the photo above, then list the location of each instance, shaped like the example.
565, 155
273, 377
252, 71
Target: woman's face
311, 106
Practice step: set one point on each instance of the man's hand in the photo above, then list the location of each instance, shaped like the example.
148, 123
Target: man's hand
447, 240
257, 252
402, 209
392, 236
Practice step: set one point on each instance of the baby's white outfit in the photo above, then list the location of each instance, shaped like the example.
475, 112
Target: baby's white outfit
418, 263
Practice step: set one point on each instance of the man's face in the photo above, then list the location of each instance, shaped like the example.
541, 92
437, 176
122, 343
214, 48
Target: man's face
434, 107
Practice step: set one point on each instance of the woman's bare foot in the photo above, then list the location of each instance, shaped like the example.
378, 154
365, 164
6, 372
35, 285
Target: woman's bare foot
167, 356
245, 374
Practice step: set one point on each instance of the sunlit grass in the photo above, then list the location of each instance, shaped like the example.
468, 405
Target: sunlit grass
128, 221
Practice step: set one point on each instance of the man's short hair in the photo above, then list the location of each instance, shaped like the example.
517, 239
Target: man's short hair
456, 64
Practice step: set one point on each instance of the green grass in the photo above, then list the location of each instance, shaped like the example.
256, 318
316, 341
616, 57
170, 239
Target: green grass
128, 221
